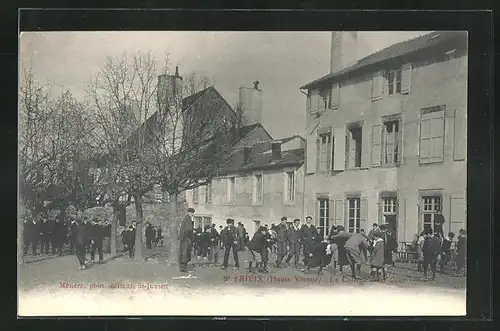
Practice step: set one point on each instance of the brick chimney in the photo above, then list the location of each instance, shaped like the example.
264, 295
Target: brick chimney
276, 151
344, 50
250, 104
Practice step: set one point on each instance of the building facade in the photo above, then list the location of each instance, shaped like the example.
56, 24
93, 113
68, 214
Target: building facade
386, 138
263, 180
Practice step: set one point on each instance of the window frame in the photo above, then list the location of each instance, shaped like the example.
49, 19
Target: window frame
423, 112
255, 193
326, 216
394, 83
208, 193
397, 144
196, 195
324, 152
231, 190
357, 214
286, 188
359, 154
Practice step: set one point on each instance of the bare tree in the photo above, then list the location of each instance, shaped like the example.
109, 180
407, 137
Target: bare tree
123, 97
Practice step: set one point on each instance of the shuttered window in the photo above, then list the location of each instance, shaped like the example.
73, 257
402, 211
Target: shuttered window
432, 123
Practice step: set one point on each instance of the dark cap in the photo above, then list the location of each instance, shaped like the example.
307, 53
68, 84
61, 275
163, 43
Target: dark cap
229, 221
190, 210
283, 218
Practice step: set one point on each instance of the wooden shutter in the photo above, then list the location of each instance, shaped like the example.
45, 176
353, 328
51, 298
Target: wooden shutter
335, 96
366, 146
425, 139
311, 153
351, 150
458, 214
315, 214
339, 149
406, 78
401, 219
331, 214
376, 145
377, 86
339, 211
328, 152
437, 136
363, 210
315, 98
460, 135
399, 141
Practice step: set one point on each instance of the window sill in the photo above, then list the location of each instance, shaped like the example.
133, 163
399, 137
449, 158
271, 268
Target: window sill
288, 203
420, 163
356, 168
391, 165
257, 204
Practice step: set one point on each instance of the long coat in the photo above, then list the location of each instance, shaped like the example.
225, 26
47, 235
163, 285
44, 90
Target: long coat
320, 258
186, 240
340, 240
377, 255
357, 246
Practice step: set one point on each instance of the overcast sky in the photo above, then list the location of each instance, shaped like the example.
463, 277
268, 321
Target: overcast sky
280, 61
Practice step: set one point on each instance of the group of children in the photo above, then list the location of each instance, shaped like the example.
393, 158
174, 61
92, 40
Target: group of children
433, 249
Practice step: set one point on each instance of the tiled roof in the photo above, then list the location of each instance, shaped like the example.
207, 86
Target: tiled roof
395, 51
261, 157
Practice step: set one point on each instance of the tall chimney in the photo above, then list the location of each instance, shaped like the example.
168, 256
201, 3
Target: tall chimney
276, 151
344, 50
169, 88
251, 104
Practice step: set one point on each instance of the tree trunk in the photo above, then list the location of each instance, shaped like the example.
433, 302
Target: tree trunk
114, 226
173, 228
20, 233
138, 234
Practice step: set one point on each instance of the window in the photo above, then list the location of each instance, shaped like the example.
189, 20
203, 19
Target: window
394, 81
230, 189
195, 195
353, 148
354, 215
207, 221
197, 220
325, 147
258, 189
390, 212
432, 135
290, 186
208, 193
431, 204
391, 143
324, 215
324, 98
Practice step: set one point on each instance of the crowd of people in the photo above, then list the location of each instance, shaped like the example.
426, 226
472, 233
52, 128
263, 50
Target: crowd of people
81, 236
294, 241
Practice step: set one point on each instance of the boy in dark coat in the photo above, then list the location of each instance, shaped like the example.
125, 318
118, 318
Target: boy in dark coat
339, 238
321, 256
293, 237
281, 241
214, 245
446, 251
230, 241
186, 240
81, 238
431, 252
205, 242
97, 241
257, 251
149, 232
309, 234
461, 252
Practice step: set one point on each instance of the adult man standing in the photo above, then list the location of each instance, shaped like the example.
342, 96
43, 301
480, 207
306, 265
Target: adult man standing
293, 237
438, 224
230, 241
186, 240
281, 241
309, 234
214, 245
242, 232
97, 241
356, 247
149, 235
340, 238
81, 239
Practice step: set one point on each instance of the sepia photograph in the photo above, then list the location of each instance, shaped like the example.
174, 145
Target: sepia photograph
242, 173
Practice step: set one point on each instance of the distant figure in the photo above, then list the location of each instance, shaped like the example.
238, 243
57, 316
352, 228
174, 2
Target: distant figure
356, 247
438, 224
214, 245
293, 237
81, 239
309, 234
186, 240
281, 241
242, 233
431, 250
149, 232
257, 251
97, 241
446, 251
461, 252
377, 256
230, 240
340, 238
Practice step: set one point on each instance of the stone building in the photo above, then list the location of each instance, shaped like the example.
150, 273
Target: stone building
263, 180
386, 136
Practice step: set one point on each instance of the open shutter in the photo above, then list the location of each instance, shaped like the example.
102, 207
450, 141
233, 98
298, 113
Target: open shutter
406, 78
401, 220
460, 134
458, 214
376, 145
399, 142
339, 149
315, 211
363, 209
311, 153
377, 86
335, 96
329, 154
314, 101
331, 215
366, 137
379, 211
437, 128
339, 211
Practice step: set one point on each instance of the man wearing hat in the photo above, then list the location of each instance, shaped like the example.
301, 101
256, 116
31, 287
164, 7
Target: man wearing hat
230, 241
186, 240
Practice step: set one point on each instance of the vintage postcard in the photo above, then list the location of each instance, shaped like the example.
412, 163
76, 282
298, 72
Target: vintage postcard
242, 173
